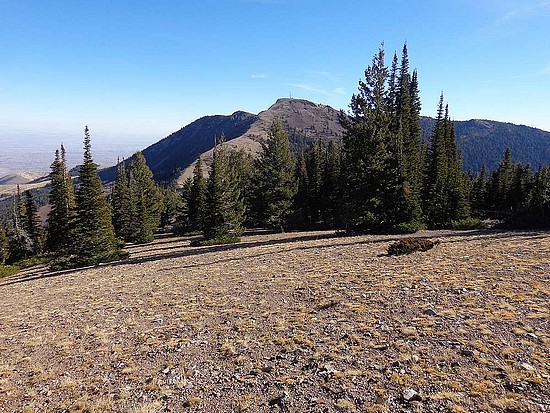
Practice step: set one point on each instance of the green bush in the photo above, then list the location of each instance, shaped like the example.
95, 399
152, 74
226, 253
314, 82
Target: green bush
468, 223
228, 239
409, 245
7, 270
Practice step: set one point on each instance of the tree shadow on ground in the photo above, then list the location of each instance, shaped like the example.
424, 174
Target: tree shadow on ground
189, 251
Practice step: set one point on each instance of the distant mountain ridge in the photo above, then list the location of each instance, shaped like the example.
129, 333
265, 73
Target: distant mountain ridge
482, 141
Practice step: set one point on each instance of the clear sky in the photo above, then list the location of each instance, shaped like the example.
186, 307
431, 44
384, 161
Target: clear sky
139, 70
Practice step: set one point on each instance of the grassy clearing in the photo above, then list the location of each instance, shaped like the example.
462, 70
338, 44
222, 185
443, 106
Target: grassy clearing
300, 321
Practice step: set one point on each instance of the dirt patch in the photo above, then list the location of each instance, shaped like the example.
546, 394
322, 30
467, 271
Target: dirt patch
298, 322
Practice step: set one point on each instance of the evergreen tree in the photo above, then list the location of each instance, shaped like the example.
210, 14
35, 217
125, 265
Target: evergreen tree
4, 245
62, 204
225, 212
172, 203
274, 180
197, 199
445, 195
147, 199
300, 217
122, 207
375, 192
93, 236
20, 244
315, 166
331, 192
33, 224
181, 224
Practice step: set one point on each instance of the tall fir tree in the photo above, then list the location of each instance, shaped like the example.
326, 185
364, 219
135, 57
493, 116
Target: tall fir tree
147, 199
374, 191
4, 245
62, 202
331, 190
93, 236
122, 207
197, 198
225, 211
33, 224
445, 198
275, 185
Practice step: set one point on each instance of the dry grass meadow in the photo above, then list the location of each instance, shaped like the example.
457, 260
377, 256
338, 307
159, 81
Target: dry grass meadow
297, 322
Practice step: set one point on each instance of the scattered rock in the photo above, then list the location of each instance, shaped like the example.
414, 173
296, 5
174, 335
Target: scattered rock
267, 369
415, 358
327, 371
430, 312
533, 336
278, 400
411, 395
467, 353
527, 366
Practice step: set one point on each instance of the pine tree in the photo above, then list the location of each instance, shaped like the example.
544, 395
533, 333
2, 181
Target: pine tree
62, 204
225, 212
147, 199
374, 191
4, 245
331, 192
122, 207
300, 217
172, 203
445, 198
315, 166
274, 180
94, 239
33, 224
20, 244
197, 199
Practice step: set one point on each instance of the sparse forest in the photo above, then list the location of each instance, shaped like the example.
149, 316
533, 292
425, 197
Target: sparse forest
383, 176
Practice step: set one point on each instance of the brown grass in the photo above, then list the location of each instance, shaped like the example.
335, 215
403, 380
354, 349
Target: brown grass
302, 321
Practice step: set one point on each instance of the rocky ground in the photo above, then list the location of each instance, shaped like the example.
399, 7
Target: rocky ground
297, 322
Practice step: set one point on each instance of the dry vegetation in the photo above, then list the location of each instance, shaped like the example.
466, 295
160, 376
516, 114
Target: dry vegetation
300, 322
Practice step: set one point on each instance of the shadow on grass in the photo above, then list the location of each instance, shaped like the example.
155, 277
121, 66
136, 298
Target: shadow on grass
189, 251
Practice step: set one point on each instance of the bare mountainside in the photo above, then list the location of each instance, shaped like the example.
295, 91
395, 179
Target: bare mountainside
304, 120
298, 322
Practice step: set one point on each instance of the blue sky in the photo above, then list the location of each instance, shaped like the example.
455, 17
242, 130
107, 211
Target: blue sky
135, 71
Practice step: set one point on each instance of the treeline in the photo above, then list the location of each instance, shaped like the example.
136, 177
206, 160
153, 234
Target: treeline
384, 176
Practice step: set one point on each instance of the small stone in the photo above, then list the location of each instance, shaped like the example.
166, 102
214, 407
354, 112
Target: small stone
411, 395
467, 353
278, 401
267, 369
415, 358
166, 370
533, 336
430, 312
396, 364
527, 366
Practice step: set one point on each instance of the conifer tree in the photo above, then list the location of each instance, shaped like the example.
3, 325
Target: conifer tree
93, 236
315, 167
147, 200
20, 244
62, 204
374, 191
4, 245
33, 224
225, 212
301, 212
123, 209
331, 192
445, 196
197, 198
172, 203
274, 180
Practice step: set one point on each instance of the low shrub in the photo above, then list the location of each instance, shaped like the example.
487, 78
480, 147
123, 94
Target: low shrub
468, 223
409, 245
228, 239
7, 270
